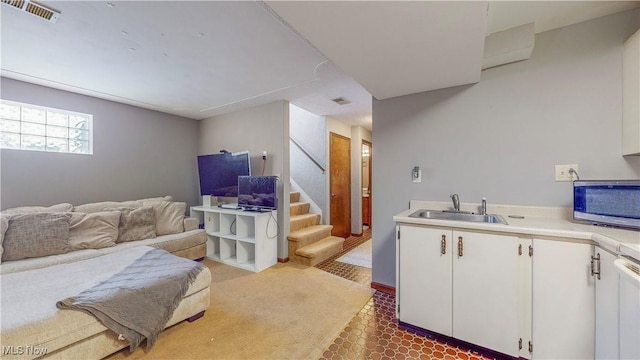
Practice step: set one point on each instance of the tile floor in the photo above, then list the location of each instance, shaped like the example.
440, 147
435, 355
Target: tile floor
374, 333
351, 272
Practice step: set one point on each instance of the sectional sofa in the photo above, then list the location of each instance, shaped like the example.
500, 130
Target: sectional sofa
52, 253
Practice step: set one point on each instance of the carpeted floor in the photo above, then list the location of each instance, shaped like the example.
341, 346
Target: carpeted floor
288, 311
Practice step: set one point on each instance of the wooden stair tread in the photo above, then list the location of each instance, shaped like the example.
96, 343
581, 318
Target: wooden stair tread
318, 247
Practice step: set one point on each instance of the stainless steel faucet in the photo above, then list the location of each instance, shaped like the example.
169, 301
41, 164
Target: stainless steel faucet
483, 207
456, 202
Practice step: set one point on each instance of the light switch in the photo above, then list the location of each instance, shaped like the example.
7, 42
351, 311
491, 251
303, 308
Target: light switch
416, 175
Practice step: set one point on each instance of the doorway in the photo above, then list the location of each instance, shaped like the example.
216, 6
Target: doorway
340, 185
366, 183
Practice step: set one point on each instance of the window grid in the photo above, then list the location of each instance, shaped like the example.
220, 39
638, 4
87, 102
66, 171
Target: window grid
38, 128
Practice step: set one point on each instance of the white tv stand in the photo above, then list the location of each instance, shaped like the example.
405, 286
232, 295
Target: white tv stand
239, 238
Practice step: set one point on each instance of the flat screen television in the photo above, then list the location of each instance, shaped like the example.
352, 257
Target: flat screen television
257, 193
219, 173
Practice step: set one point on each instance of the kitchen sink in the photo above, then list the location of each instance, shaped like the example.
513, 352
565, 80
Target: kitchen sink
458, 216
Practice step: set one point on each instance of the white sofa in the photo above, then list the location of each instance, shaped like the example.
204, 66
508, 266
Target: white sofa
31, 325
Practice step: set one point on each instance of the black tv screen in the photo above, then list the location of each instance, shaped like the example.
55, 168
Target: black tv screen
219, 173
257, 192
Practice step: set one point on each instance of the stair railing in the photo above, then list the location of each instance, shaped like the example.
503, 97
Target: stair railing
304, 151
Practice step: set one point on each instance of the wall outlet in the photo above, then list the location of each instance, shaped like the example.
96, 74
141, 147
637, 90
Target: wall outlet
563, 174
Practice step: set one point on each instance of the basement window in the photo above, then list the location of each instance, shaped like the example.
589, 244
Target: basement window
39, 128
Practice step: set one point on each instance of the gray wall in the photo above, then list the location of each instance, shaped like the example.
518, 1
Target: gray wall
257, 129
137, 153
501, 138
310, 131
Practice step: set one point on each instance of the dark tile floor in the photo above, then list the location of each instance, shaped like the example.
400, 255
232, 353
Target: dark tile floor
374, 333
355, 273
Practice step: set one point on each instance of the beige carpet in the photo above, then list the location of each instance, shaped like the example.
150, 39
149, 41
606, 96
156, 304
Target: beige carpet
288, 311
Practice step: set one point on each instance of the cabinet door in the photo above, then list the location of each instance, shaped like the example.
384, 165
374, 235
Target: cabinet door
424, 294
606, 307
485, 291
563, 306
629, 318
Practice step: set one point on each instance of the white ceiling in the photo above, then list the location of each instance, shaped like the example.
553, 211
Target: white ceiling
392, 49
203, 58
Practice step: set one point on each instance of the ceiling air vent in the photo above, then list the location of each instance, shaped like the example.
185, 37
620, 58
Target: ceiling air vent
34, 9
341, 101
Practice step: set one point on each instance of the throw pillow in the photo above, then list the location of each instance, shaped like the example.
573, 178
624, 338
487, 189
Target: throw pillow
36, 235
93, 230
4, 224
169, 216
63, 207
136, 224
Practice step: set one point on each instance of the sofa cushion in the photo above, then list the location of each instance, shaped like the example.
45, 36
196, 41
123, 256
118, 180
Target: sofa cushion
136, 223
63, 207
169, 216
35, 235
93, 230
4, 224
175, 243
191, 223
106, 206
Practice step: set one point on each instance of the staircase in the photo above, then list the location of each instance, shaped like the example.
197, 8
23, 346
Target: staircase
309, 242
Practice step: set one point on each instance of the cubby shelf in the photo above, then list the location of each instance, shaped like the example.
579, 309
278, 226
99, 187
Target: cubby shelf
239, 238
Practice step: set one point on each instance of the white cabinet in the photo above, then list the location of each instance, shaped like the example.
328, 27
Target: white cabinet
239, 238
485, 290
563, 304
607, 284
424, 278
460, 284
527, 298
629, 309
631, 96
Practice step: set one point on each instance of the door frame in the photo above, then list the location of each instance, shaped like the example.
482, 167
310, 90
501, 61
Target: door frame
366, 142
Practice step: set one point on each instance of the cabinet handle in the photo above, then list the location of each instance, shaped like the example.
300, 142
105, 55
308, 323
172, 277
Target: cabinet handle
443, 245
460, 246
208, 218
595, 259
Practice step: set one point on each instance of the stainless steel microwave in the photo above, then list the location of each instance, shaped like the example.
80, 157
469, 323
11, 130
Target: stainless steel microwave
607, 202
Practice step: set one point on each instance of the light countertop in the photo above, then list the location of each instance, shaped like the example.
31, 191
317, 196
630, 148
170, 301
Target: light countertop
625, 242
